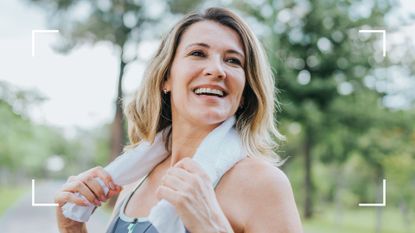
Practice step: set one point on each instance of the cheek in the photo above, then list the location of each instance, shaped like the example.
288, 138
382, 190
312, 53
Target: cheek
238, 84
180, 90
183, 76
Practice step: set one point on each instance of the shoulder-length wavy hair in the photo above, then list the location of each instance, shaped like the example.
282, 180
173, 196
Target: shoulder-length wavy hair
150, 110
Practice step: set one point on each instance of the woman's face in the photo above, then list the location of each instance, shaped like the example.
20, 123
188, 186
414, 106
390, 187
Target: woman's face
207, 77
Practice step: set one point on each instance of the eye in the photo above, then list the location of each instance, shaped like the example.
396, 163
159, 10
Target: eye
197, 53
234, 61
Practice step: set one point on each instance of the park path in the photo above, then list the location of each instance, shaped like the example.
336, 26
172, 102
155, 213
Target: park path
22, 217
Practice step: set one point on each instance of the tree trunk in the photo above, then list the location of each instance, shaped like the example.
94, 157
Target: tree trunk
379, 197
117, 128
308, 182
338, 173
403, 206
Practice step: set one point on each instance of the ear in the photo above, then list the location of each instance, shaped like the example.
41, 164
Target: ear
167, 85
241, 103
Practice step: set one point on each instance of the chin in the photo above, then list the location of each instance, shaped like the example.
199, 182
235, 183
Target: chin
211, 117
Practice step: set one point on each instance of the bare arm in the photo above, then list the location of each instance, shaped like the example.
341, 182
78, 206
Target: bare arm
66, 226
271, 203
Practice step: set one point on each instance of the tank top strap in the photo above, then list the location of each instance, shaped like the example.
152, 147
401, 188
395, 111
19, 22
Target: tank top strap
121, 206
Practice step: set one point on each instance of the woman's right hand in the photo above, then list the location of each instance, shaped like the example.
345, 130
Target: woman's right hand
85, 184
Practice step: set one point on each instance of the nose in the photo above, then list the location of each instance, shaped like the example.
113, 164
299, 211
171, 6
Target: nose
214, 68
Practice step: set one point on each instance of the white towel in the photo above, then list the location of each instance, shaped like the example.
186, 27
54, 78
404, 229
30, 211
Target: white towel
217, 153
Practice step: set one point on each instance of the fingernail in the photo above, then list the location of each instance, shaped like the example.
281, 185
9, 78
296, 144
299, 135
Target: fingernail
103, 198
86, 202
112, 186
97, 202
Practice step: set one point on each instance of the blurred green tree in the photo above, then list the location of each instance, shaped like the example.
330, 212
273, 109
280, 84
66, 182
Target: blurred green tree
122, 23
25, 145
322, 66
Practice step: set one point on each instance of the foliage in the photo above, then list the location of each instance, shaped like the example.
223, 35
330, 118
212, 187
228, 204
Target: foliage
328, 75
122, 24
333, 84
26, 146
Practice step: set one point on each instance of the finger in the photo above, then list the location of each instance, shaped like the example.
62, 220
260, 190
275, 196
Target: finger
174, 183
189, 165
112, 193
96, 188
179, 173
167, 194
80, 187
105, 177
64, 197
71, 178
192, 167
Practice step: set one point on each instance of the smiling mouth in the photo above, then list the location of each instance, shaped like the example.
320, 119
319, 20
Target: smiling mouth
209, 92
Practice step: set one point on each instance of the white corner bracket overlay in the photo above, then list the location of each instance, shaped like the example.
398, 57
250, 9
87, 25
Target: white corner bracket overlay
34, 32
383, 204
383, 35
33, 198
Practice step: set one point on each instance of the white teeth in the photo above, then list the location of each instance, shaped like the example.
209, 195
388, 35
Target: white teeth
209, 91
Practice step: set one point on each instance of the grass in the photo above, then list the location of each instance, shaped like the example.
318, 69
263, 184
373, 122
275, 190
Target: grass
9, 195
359, 220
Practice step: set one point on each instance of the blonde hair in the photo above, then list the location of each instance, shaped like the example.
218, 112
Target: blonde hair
150, 110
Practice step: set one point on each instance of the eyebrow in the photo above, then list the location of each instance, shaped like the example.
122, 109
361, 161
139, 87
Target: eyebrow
207, 46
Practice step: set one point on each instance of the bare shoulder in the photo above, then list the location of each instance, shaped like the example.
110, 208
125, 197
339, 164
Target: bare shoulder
264, 173
257, 176
263, 195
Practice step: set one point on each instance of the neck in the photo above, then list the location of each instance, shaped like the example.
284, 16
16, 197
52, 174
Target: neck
186, 138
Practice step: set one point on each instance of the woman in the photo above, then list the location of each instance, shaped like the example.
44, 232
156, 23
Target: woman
208, 68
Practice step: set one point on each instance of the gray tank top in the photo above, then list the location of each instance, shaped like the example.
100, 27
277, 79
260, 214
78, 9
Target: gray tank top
125, 224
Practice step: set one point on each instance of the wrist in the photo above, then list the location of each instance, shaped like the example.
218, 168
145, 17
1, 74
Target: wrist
222, 224
72, 228
69, 226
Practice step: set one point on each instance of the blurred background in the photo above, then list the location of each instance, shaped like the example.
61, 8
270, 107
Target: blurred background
347, 111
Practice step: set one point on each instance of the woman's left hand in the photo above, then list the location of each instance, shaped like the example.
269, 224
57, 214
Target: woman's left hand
188, 188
